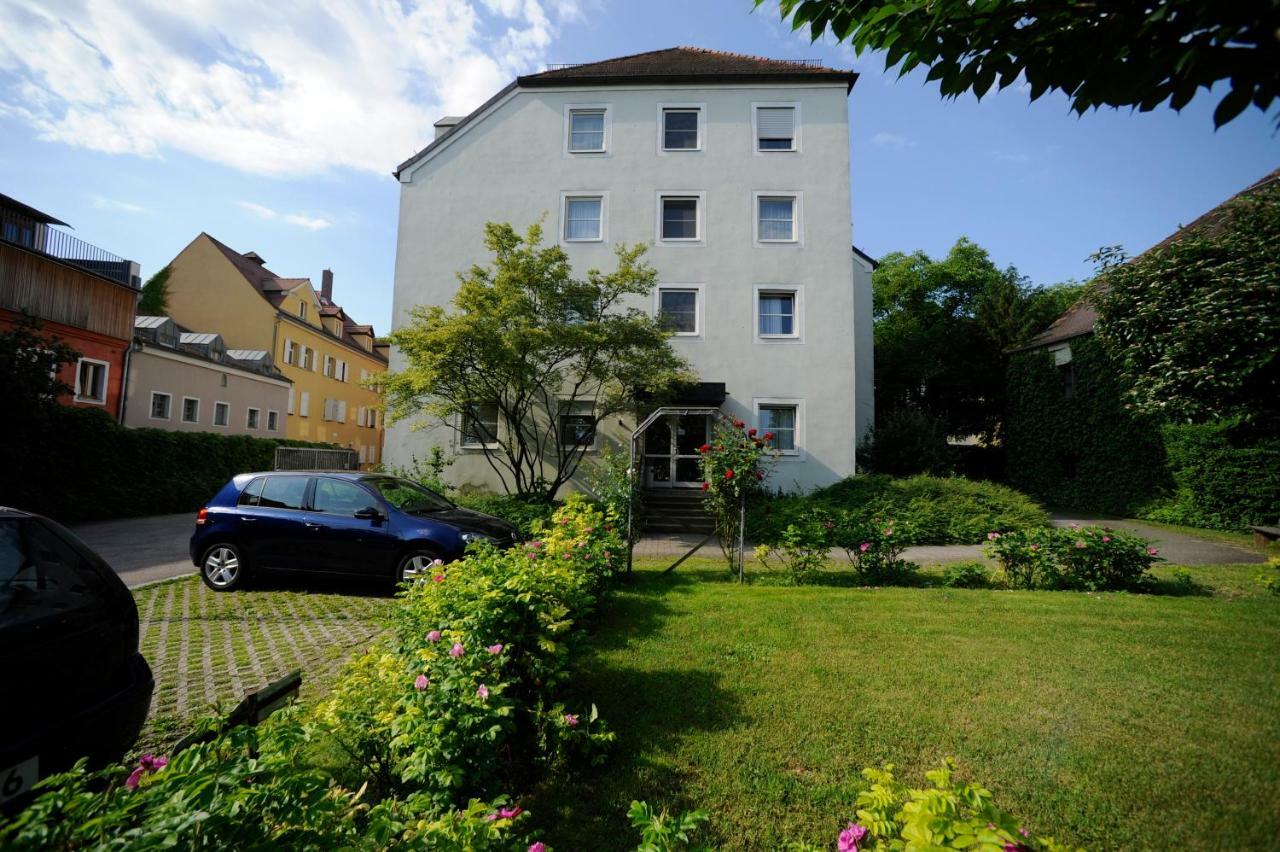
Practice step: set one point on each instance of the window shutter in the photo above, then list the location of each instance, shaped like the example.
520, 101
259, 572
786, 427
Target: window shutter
776, 122
304, 404
288, 351
290, 409
342, 411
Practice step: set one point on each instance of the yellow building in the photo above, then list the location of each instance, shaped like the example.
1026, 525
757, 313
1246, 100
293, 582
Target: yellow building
312, 340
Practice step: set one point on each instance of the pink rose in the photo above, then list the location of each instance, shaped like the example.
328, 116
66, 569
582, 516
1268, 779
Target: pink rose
494, 649
433, 636
420, 682
571, 720
483, 692
457, 650
850, 837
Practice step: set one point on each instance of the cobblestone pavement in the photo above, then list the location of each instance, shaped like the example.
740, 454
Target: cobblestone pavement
207, 647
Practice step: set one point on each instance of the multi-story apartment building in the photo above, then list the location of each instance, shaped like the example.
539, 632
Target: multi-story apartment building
736, 170
81, 294
313, 342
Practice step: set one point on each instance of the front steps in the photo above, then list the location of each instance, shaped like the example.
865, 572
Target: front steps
675, 510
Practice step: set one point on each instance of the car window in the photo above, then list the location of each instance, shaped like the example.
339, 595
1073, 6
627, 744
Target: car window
340, 498
249, 496
283, 492
41, 574
408, 496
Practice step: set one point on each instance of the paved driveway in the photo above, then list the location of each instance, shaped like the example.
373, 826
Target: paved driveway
143, 550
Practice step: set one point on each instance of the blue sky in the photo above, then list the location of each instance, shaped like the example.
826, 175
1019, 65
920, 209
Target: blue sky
275, 128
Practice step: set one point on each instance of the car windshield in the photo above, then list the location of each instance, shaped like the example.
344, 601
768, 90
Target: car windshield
408, 496
40, 574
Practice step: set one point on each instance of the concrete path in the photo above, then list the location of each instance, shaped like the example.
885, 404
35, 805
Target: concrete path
143, 550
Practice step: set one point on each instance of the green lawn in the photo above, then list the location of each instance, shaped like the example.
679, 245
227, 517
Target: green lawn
1107, 720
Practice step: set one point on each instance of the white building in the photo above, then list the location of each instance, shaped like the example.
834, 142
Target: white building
736, 170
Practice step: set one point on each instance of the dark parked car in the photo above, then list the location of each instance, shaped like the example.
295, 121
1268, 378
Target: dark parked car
354, 524
73, 682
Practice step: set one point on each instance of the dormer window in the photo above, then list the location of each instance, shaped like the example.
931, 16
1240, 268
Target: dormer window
302, 310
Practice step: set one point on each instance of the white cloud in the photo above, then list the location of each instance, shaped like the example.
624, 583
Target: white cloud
285, 88
317, 223
115, 205
893, 140
260, 210
301, 220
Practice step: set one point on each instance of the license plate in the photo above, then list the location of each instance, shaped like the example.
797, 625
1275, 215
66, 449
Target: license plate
19, 778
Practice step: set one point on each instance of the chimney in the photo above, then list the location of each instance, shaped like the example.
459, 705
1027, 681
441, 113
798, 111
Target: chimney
326, 285
255, 257
446, 124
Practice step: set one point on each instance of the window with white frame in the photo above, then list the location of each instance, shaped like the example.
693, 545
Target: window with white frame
678, 309
679, 218
302, 310
777, 312
221, 413
681, 129
161, 403
587, 130
190, 409
583, 218
341, 371
777, 218
273, 421
776, 127
290, 351
780, 422
304, 404
91, 381
251, 418
480, 425
329, 363
577, 425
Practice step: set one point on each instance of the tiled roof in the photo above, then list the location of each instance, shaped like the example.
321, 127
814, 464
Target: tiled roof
687, 64
1077, 320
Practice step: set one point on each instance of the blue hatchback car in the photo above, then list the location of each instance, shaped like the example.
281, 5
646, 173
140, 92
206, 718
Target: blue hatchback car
338, 524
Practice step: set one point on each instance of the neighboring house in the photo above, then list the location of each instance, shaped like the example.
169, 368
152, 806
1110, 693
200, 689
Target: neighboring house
311, 340
190, 382
82, 294
736, 170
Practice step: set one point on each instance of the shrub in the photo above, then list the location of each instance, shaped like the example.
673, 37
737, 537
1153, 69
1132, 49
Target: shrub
966, 575
523, 511
735, 465
801, 549
1026, 557
907, 441
1091, 558
874, 548
618, 490
662, 832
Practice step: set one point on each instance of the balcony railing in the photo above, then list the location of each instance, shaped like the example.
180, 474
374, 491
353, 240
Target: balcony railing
36, 236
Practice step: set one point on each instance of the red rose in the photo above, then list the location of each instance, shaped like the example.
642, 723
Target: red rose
759, 475
705, 448
728, 474
706, 485
768, 436
751, 433
738, 424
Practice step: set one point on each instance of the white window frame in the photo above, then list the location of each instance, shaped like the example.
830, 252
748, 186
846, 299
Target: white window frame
289, 355
151, 412
580, 407
700, 217
699, 308
106, 382
798, 454
701, 109
797, 319
302, 309
304, 403
797, 124
569, 110
273, 415
183, 415
226, 425
797, 216
474, 445
604, 214
249, 418
342, 370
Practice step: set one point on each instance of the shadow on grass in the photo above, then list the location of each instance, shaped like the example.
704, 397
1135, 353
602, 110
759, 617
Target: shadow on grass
274, 581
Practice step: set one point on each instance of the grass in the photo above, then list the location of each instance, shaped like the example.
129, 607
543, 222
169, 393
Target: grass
207, 649
1106, 720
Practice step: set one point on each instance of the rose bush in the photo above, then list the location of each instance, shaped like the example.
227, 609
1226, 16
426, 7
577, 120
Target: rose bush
1073, 557
735, 463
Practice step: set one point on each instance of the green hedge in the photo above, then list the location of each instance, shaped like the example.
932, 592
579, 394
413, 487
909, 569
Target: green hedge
77, 464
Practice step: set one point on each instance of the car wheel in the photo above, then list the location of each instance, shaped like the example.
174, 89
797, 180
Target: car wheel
415, 564
223, 568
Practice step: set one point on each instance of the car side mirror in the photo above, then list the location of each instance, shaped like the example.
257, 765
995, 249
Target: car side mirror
370, 513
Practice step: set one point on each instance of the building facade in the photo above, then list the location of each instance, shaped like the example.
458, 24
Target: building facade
316, 346
736, 171
190, 382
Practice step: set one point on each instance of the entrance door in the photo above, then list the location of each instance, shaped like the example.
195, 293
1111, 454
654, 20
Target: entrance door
671, 450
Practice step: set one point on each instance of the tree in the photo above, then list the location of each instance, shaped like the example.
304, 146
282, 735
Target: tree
526, 335
1118, 54
155, 295
1194, 325
30, 361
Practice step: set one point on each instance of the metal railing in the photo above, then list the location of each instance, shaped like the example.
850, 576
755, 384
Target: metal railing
39, 237
316, 458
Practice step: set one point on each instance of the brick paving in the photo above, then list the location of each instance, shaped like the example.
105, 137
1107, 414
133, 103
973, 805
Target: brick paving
207, 648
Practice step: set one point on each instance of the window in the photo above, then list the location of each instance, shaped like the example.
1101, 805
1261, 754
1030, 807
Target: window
304, 404
776, 218
779, 312
681, 129
480, 425
190, 409
587, 129
578, 426
45, 579
251, 418
341, 373
336, 410
583, 218
224, 380
91, 381
283, 492
678, 309
361, 415
302, 309
221, 413
290, 351
273, 421
307, 358
252, 493
160, 404
680, 217
329, 364
780, 421
335, 497
776, 126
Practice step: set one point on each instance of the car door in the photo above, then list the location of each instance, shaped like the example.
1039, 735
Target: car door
339, 542
279, 522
